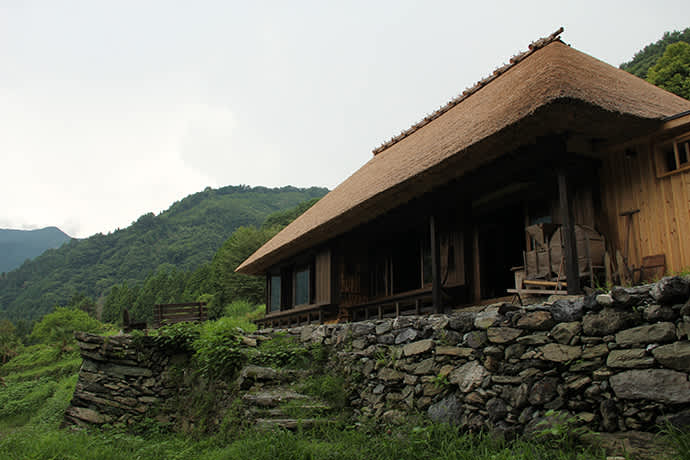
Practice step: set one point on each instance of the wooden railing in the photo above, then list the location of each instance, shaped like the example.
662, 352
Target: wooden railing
171, 313
406, 303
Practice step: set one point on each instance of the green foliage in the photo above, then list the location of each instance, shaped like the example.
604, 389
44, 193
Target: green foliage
282, 351
679, 439
9, 342
647, 57
330, 388
672, 71
217, 349
186, 237
60, 326
215, 282
178, 337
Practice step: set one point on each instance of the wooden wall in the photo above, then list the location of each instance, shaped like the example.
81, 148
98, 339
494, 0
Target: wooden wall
322, 277
629, 181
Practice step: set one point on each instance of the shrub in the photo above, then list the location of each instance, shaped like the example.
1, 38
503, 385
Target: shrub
60, 325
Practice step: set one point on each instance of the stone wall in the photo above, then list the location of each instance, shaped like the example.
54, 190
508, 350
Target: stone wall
120, 379
617, 361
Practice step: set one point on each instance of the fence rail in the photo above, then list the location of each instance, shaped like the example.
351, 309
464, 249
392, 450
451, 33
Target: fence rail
171, 313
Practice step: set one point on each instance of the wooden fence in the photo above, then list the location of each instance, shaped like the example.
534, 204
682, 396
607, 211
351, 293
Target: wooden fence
171, 313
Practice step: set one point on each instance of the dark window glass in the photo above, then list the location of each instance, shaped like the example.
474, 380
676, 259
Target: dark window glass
275, 293
683, 152
426, 260
302, 286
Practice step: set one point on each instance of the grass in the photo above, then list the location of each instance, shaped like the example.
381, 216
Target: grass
39, 384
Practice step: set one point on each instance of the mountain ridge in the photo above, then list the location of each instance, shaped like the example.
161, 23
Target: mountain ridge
186, 235
17, 245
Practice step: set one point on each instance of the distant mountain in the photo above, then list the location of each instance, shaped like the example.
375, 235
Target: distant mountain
185, 236
16, 246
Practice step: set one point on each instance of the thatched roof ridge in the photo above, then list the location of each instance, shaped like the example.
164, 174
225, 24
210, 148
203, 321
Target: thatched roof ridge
550, 75
534, 46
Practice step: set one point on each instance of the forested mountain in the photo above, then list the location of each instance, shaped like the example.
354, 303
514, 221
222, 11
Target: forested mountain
16, 246
650, 54
182, 238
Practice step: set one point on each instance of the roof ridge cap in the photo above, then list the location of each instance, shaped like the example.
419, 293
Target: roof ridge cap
532, 47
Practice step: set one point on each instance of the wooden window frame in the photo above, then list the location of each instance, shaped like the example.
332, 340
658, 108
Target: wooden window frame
659, 160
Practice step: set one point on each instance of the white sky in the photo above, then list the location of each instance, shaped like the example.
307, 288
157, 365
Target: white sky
111, 109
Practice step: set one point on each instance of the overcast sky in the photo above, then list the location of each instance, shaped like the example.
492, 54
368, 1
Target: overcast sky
111, 109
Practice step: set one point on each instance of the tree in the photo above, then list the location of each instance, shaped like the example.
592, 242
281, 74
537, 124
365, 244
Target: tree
8, 341
647, 57
672, 70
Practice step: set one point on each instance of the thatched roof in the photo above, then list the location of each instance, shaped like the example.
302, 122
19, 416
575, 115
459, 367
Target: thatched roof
543, 87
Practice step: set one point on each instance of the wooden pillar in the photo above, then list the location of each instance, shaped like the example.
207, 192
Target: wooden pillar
435, 266
568, 231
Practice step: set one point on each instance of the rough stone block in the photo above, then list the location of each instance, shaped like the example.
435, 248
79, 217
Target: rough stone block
633, 358
653, 333
675, 355
661, 385
560, 353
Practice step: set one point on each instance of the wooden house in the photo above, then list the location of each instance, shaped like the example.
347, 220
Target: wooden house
456, 208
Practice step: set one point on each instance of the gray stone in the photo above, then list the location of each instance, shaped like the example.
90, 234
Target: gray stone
534, 339
609, 415
447, 410
680, 420
560, 353
576, 383
475, 339
683, 330
607, 321
537, 321
514, 351
605, 300
567, 310
406, 335
496, 408
486, 319
458, 352
655, 313
88, 415
502, 334
595, 351
630, 296
383, 328
653, 333
468, 376
385, 339
661, 385
128, 371
424, 367
543, 391
634, 358
563, 333
418, 347
362, 329
462, 322
390, 375
671, 289
675, 355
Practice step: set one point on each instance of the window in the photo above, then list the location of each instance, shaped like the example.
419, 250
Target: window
673, 156
302, 285
274, 288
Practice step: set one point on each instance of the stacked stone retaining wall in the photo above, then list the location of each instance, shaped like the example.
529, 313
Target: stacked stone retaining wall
617, 361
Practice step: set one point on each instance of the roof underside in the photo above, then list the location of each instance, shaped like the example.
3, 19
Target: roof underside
554, 89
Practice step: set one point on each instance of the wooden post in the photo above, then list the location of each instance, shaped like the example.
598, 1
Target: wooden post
435, 266
570, 244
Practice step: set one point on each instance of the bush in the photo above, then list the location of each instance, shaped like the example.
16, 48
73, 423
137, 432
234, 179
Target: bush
59, 326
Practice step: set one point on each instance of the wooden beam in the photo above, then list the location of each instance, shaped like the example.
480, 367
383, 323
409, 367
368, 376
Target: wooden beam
572, 272
437, 299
